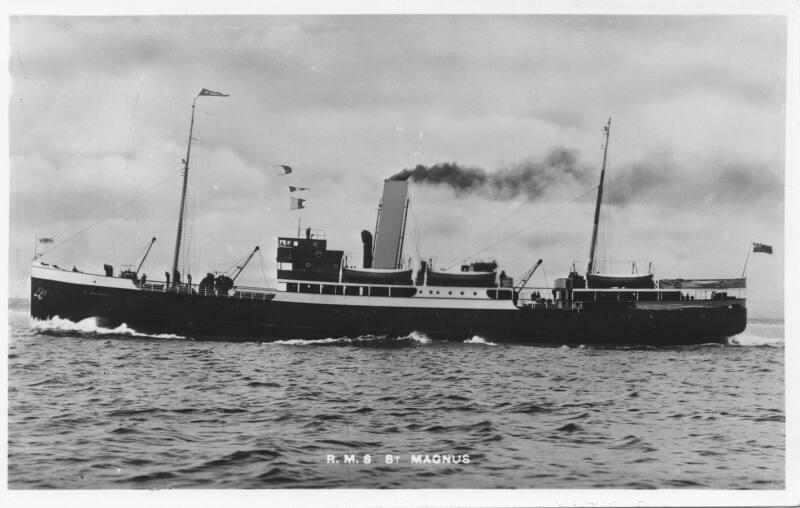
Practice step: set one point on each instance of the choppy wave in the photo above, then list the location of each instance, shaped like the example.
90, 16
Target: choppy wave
160, 414
477, 339
89, 326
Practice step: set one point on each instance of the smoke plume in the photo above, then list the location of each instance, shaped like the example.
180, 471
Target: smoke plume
529, 179
656, 179
661, 180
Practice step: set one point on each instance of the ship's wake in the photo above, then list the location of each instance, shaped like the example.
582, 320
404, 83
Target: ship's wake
64, 327
751, 339
764, 333
413, 339
477, 339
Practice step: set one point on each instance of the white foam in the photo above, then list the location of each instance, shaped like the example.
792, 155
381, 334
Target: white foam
89, 325
477, 339
419, 337
309, 342
749, 339
415, 336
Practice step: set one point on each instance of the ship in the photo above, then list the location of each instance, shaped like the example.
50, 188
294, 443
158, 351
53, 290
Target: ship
321, 294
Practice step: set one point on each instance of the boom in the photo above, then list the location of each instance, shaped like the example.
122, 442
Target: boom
527, 276
145, 255
239, 269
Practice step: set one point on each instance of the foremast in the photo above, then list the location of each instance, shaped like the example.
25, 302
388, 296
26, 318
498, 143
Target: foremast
591, 266
182, 208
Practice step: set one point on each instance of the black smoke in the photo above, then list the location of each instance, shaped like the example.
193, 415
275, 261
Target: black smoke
656, 179
460, 178
529, 178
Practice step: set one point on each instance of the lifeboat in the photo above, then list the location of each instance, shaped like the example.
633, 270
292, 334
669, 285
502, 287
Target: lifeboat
462, 279
381, 276
630, 281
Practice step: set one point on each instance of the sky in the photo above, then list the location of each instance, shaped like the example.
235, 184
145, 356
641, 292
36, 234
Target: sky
499, 117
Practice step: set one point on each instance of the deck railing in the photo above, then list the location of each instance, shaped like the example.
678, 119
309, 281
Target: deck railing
240, 292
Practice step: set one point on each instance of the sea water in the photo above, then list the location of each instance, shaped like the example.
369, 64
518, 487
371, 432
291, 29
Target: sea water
99, 408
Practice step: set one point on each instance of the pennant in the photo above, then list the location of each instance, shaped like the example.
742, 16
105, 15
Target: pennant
286, 169
294, 189
45, 240
296, 203
760, 247
211, 93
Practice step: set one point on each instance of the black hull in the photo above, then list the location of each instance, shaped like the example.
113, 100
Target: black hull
222, 318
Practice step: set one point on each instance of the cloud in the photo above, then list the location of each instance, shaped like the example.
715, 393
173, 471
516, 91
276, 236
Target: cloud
660, 180
99, 111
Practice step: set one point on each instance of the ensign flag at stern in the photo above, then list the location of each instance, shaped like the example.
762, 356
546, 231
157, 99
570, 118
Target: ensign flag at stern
760, 247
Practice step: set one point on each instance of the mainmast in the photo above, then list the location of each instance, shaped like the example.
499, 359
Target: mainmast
590, 267
182, 209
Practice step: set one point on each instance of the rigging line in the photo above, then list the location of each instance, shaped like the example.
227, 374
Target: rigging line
113, 245
191, 254
125, 160
137, 258
417, 235
263, 269
189, 238
540, 219
238, 262
113, 210
71, 224
163, 254
489, 231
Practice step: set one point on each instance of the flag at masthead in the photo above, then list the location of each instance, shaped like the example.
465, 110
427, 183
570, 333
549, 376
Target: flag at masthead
211, 93
182, 210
